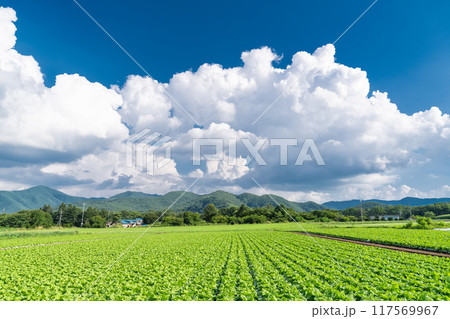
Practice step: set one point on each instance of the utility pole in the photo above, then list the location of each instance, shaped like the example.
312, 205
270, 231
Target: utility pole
82, 216
360, 207
60, 218
409, 210
109, 212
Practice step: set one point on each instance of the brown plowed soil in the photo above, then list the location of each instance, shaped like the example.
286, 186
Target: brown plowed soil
366, 243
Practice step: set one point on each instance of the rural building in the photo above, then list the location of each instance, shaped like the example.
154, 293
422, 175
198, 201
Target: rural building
128, 223
386, 217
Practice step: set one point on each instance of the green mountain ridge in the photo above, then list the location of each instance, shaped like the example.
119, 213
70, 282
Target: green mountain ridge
413, 201
130, 194
195, 202
37, 197
34, 197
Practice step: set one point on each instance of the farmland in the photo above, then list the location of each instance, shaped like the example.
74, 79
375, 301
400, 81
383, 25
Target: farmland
390, 235
243, 262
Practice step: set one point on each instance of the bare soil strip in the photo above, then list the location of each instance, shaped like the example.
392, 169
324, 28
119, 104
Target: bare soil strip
367, 243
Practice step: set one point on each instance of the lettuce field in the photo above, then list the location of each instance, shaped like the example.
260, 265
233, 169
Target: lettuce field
257, 262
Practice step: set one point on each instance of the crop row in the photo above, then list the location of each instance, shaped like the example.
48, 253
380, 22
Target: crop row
435, 240
235, 265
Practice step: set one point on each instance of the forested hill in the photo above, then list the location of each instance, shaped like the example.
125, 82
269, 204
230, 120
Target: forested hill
195, 202
37, 197
412, 201
34, 197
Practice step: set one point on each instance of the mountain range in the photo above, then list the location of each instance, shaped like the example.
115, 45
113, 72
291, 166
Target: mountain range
36, 197
412, 201
194, 202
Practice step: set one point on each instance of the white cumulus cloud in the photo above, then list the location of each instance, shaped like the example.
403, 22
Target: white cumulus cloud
74, 116
73, 133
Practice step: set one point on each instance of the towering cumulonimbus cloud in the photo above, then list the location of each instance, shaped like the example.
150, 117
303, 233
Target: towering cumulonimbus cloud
74, 116
73, 134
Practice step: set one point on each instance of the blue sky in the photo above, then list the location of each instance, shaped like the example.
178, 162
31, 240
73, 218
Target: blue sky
376, 103
403, 45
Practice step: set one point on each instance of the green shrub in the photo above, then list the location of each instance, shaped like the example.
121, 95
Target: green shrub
408, 225
429, 214
423, 223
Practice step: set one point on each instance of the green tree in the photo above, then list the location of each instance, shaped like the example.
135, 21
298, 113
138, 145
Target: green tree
219, 219
228, 211
394, 210
209, 212
429, 214
71, 216
254, 219
38, 218
233, 220
172, 221
243, 211
377, 211
18, 220
423, 222
150, 218
191, 218
355, 211
47, 208
97, 221
278, 214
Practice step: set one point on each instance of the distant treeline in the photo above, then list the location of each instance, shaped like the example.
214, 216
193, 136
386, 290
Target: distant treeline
73, 216
404, 212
